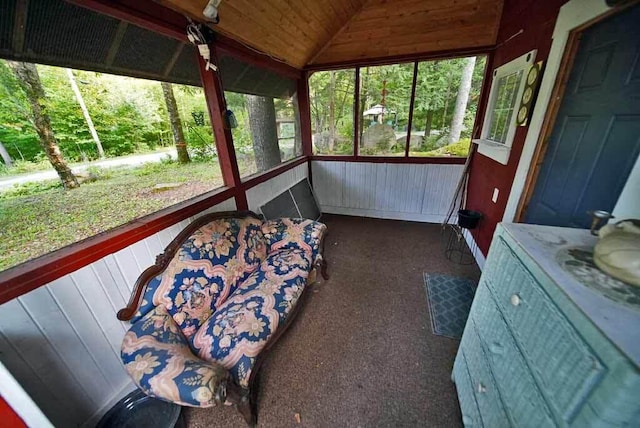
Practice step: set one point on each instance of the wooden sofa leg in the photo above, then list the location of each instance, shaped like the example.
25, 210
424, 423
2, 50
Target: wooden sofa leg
323, 269
247, 408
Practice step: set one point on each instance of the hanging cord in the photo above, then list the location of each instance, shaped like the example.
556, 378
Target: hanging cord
196, 35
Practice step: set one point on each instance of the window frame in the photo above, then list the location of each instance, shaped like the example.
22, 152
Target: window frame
493, 149
406, 157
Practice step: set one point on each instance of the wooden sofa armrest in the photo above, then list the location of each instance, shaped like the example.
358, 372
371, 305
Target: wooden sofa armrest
163, 259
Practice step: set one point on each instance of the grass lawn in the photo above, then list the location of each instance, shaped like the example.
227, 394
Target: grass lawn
41, 217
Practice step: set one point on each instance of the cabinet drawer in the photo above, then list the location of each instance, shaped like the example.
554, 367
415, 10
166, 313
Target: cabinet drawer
564, 364
484, 386
468, 405
520, 393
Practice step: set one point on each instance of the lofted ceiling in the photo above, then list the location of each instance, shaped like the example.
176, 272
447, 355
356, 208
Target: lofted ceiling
304, 32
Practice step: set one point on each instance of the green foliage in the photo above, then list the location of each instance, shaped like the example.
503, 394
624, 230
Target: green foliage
129, 116
30, 189
459, 148
436, 90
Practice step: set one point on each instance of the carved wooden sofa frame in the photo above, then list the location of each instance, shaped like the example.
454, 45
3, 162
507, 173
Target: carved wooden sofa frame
245, 399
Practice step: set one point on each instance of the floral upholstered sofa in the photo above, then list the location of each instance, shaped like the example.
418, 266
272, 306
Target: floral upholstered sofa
222, 292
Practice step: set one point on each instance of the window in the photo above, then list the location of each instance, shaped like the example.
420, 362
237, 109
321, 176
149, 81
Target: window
445, 101
331, 100
499, 124
265, 107
158, 150
439, 129
385, 96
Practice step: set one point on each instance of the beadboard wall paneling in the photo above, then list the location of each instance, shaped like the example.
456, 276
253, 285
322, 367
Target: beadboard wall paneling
395, 191
264, 192
62, 341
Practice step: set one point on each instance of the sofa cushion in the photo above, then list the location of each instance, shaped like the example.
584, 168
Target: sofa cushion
158, 358
294, 233
207, 268
240, 328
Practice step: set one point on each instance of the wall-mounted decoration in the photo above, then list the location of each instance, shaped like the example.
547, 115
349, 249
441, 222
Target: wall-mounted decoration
499, 124
528, 96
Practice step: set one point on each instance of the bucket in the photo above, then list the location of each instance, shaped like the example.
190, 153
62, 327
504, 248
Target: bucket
468, 219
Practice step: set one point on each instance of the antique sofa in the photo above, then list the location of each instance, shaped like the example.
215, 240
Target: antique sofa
218, 297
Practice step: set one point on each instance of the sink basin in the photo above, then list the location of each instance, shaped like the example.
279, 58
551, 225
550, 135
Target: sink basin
578, 262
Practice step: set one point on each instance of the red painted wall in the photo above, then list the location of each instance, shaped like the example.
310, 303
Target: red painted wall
537, 19
9, 418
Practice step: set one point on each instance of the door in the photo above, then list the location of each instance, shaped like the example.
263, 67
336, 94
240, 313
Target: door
596, 137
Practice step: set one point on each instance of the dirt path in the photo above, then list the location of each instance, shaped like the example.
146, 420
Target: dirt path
134, 160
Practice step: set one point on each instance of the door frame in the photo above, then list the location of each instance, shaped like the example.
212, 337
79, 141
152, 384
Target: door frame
573, 18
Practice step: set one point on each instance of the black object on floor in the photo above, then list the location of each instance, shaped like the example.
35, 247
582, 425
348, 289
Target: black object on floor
138, 410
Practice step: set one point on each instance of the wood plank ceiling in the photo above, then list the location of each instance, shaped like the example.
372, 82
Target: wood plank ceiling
304, 32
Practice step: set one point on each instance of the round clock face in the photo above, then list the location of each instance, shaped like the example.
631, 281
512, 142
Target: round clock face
526, 96
522, 114
531, 77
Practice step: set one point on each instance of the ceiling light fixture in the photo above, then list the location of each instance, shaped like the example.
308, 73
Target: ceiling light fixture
211, 10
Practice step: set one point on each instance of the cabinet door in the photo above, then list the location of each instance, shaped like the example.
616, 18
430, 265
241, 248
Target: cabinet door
523, 400
566, 367
468, 405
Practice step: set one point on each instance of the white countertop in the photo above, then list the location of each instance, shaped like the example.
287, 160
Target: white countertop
619, 321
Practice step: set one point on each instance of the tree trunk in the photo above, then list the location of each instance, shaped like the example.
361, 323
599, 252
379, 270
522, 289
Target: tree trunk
461, 100
5, 156
428, 124
297, 144
85, 112
29, 79
332, 111
176, 123
262, 122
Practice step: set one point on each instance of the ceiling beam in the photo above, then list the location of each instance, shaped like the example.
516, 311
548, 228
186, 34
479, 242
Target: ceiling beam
19, 26
173, 26
173, 60
115, 43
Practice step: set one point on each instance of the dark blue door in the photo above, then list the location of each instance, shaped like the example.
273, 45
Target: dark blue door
596, 137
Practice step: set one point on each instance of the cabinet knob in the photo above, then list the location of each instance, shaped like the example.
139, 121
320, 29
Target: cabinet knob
496, 348
481, 388
515, 300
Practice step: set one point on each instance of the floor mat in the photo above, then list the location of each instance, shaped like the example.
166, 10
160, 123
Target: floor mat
449, 300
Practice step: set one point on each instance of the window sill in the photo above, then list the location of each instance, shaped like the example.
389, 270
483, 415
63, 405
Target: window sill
496, 151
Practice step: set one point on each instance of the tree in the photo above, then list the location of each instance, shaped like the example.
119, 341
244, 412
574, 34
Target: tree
85, 113
461, 100
176, 123
29, 80
262, 122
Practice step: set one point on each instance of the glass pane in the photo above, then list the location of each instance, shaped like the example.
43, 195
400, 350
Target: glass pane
502, 112
331, 100
385, 95
437, 129
158, 150
267, 131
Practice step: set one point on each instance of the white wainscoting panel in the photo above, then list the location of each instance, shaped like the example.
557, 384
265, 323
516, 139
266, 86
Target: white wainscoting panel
266, 191
418, 192
61, 342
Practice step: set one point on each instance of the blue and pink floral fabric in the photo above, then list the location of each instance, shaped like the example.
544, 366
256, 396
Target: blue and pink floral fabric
242, 326
217, 304
158, 358
294, 233
206, 270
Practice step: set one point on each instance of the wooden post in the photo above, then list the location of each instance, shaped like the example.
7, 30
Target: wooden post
217, 107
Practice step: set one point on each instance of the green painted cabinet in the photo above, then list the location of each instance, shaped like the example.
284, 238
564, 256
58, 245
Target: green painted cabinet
543, 345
